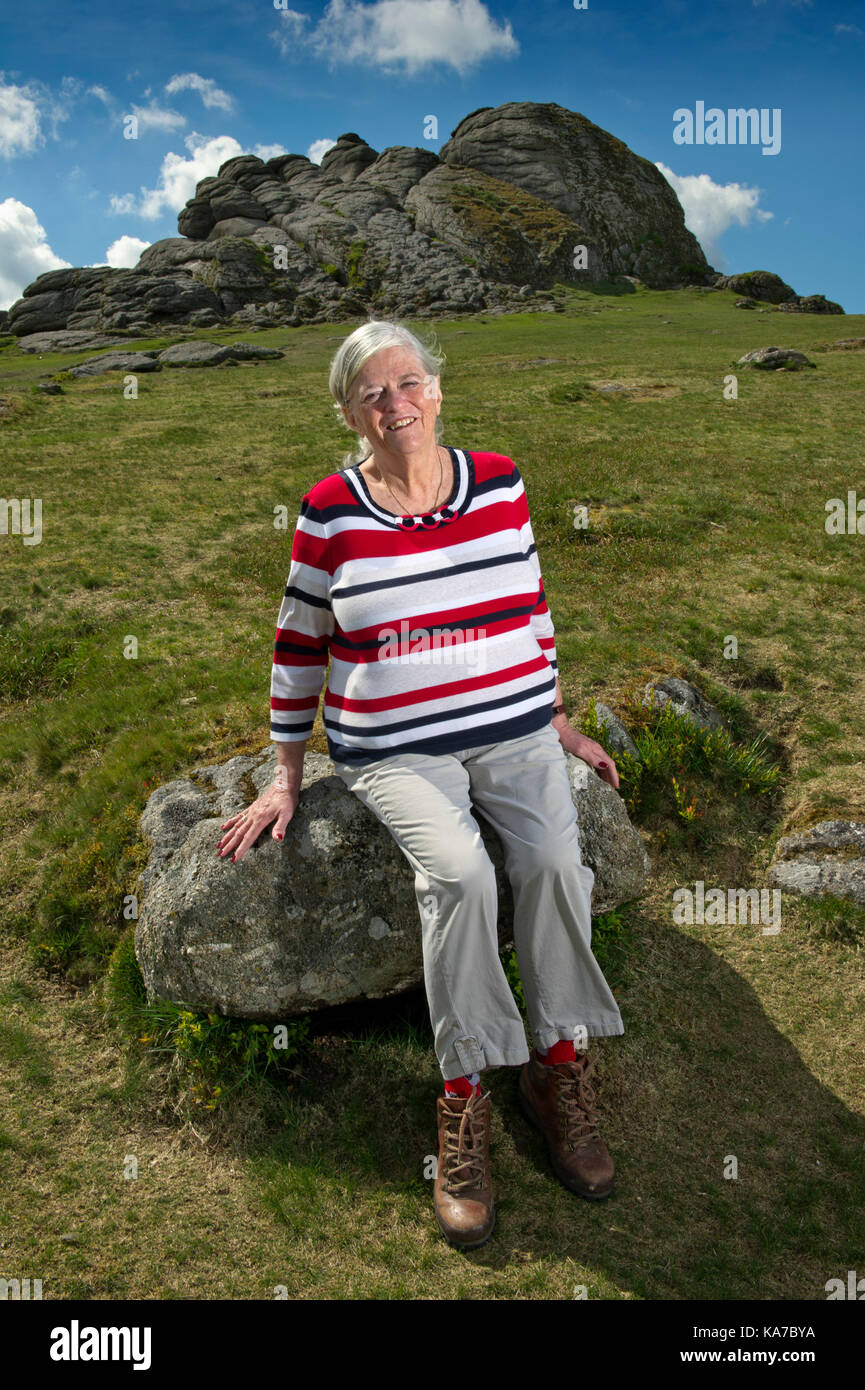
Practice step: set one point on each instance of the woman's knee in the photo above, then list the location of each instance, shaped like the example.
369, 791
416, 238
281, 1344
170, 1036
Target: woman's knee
463, 871
552, 854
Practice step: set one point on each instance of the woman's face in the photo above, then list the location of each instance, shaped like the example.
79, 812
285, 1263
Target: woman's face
391, 388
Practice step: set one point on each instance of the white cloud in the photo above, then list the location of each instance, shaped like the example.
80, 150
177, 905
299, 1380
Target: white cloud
210, 94
178, 176
318, 149
288, 34
27, 112
24, 250
123, 253
20, 128
59, 106
155, 117
269, 151
710, 208
400, 35
123, 203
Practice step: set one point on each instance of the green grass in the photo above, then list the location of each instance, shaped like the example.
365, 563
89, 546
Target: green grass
135, 642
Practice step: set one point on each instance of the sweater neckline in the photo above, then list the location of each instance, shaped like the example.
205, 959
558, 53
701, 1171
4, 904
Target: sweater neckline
460, 496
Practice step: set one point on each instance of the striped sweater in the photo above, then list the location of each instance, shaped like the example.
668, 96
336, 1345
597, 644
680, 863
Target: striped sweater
438, 631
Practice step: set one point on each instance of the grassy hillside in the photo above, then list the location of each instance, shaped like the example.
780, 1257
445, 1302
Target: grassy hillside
706, 520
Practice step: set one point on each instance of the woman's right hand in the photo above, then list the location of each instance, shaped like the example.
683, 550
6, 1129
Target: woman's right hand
277, 803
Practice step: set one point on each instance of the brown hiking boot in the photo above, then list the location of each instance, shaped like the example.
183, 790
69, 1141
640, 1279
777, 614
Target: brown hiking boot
463, 1193
560, 1102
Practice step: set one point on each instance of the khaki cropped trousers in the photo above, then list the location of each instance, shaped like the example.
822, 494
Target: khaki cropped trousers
521, 785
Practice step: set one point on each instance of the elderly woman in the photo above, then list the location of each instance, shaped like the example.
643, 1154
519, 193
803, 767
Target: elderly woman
415, 569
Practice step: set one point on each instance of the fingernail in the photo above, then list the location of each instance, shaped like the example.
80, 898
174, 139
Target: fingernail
233, 857
279, 837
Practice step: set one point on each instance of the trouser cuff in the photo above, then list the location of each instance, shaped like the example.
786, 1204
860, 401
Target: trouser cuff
513, 1052
579, 1033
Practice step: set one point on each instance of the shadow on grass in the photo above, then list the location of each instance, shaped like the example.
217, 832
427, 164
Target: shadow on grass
701, 1078
607, 287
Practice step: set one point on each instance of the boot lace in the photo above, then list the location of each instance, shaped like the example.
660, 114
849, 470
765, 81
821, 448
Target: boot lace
465, 1148
575, 1102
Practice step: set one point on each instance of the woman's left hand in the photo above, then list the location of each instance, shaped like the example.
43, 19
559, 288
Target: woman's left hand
590, 752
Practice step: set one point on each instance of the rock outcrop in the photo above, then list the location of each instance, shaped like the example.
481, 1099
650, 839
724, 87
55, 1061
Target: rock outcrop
773, 359
618, 738
490, 223
495, 216
330, 914
763, 285
825, 859
194, 354
627, 214
685, 700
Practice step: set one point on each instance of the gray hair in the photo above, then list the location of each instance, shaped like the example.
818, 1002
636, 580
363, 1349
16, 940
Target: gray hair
356, 349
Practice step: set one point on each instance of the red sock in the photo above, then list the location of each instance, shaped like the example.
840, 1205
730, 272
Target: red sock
563, 1051
462, 1086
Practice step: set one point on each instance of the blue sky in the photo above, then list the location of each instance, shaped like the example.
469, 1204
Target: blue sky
208, 79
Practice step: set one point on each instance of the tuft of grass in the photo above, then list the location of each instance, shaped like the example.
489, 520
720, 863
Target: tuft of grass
45, 660
512, 973
835, 920
670, 746
22, 1049
216, 1055
569, 393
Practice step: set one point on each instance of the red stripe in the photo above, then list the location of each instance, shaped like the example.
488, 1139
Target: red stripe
294, 659
315, 642
310, 550
381, 544
471, 614
437, 692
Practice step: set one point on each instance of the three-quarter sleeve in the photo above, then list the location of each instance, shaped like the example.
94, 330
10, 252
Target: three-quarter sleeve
303, 631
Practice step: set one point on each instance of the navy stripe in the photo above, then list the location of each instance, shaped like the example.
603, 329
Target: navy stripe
493, 616
306, 726
322, 515
424, 576
418, 721
495, 483
292, 591
312, 650
446, 743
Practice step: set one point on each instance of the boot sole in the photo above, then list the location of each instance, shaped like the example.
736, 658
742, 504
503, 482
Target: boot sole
566, 1179
461, 1244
